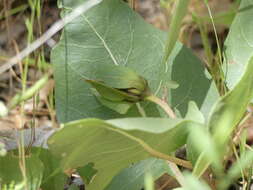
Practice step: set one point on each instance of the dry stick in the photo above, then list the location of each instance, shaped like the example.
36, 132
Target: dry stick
241, 127
49, 33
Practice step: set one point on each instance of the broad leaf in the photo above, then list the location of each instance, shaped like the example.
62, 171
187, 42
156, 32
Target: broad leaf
10, 173
239, 43
113, 145
112, 34
133, 177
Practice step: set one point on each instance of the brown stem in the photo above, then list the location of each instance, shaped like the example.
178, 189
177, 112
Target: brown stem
162, 104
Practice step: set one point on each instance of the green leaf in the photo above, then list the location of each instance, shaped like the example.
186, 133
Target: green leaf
230, 109
109, 93
53, 177
120, 107
117, 76
192, 87
179, 12
206, 151
193, 183
228, 112
194, 114
238, 45
133, 93
235, 171
211, 98
10, 172
133, 177
112, 34
115, 144
149, 182
87, 172
172, 84
197, 153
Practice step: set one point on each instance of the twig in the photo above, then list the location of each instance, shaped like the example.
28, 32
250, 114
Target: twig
241, 126
49, 33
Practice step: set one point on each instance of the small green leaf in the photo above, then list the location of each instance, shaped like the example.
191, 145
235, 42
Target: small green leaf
53, 177
206, 150
116, 95
194, 114
119, 77
172, 84
107, 92
87, 172
119, 84
10, 172
120, 107
193, 183
30, 92
149, 182
180, 10
211, 98
226, 115
235, 171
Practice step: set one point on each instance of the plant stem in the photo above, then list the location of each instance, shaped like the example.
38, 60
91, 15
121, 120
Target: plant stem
141, 110
132, 4
173, 161
178, 174
162, 104
215, 31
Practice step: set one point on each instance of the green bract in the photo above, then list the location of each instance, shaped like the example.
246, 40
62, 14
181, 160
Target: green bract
137, 90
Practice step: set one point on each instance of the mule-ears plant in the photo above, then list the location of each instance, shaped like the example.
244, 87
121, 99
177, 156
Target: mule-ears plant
122, 121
